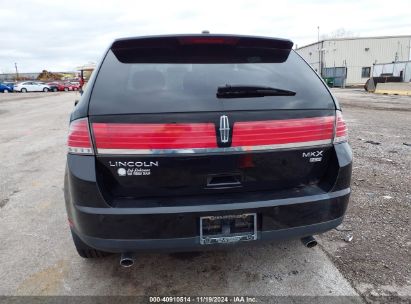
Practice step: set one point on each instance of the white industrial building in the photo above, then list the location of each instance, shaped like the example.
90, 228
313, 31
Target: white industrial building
350, 61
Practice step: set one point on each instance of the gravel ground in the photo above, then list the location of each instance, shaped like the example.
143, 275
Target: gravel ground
377, 260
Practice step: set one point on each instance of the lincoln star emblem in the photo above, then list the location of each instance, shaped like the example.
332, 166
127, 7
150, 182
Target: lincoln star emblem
224, 129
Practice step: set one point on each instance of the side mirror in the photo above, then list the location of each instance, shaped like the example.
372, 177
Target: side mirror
76, 102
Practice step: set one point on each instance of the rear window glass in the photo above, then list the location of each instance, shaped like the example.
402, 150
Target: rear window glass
162, 87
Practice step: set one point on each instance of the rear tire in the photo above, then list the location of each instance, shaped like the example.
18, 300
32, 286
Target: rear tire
5, 91
24, 90
66, 89
45, 90
86, 251
54, 90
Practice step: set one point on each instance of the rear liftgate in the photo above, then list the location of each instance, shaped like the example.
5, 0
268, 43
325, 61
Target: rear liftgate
133, 157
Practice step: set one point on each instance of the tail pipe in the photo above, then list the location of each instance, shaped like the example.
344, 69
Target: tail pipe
309, 241
127, 259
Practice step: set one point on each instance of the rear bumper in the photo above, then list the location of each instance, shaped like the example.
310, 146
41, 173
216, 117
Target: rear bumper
193, 243
177, 228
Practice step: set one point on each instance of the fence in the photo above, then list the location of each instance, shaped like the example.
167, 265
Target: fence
400, 69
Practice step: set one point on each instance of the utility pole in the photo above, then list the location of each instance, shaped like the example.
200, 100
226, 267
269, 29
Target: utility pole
318, 33
319, 53
17, 71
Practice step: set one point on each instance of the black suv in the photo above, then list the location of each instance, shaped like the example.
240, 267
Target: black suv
189, 142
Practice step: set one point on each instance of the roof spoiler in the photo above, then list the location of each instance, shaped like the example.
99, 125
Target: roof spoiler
201, 48
175, 40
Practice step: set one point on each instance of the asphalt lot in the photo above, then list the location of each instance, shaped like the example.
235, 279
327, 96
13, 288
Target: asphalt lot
38, 257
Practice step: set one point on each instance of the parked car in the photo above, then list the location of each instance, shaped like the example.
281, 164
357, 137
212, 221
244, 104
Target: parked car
31, 86
54, 86
10, 84
4, 88
225, 140
67, 86
75, 86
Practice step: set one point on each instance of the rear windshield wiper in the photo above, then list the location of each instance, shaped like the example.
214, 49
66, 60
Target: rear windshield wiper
244, 91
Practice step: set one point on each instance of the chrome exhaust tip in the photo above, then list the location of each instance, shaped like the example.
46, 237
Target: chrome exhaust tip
309, 241
127, 259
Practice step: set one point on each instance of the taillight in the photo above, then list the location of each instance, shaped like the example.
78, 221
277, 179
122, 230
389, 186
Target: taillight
118, 137
288, 132
341, 132
79, 141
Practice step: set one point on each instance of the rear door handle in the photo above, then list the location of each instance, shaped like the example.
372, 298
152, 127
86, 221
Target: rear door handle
221, 181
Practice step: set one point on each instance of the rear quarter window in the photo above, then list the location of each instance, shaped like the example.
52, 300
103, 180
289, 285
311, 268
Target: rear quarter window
122, 88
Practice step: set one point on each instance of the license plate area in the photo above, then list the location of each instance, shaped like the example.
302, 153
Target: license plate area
228, 229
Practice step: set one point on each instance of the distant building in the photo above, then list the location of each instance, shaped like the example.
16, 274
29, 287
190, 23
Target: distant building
32, 76
350, 61
12, 76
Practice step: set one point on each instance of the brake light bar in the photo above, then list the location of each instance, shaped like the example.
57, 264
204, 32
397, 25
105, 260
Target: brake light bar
79, 141
208, 40
341, 131
114, 137
284, 133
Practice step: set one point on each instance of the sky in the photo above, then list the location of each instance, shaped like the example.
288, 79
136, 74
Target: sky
58, 36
